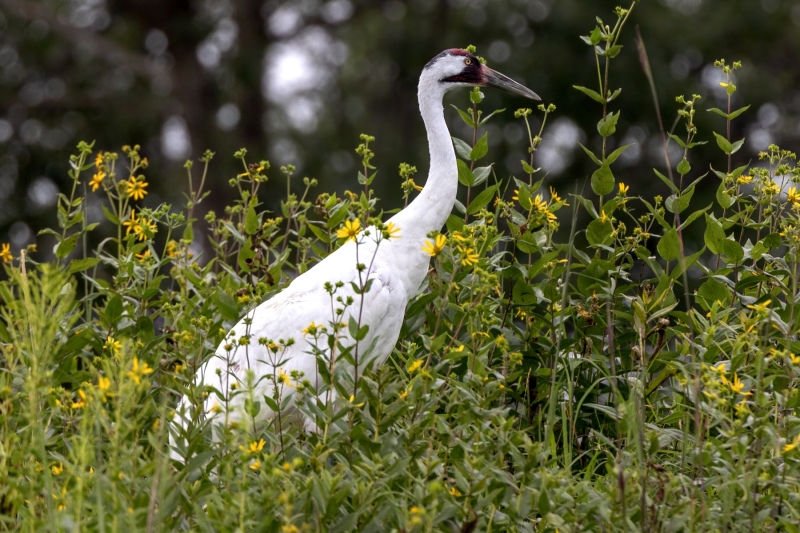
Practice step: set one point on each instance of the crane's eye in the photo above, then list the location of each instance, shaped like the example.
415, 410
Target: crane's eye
467, 61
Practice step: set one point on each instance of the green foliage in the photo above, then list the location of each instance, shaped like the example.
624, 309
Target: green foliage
540, 383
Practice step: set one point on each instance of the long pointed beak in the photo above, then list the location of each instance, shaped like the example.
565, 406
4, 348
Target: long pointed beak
501, 81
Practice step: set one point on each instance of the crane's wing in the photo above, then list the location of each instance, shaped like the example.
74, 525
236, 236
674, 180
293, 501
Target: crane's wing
274, 340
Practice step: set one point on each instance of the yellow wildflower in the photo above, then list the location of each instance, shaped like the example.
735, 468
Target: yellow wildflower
255, 465
81, 400
103, 383
113, 346
349, 230
792, 196
172, 249
97, 180
98, 160
289, 528
556, 198
144, 255
789, 446
623, 189
603, 217
132, 224
761, 308
310, 330
411, 182
737, 386
454, 492
537, 204
391, 231
284, 378
771, 188
216, 408
469, 256
415, 366
5, 253
135, 188
434, 248
794, 359
743, 180
254, 447
723, 84
57, 470
138, 371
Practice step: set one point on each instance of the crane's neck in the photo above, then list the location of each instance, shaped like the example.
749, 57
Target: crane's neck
429, 211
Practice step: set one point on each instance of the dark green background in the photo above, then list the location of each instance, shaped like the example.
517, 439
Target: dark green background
104, 71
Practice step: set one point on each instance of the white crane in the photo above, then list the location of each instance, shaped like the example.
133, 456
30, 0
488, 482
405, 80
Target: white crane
396, 266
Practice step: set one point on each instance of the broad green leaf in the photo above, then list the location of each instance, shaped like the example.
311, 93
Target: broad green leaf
669, 246
712, 291
598, 232
607, 126
481, 173
723, 197
462, 149
684, 167
603, 180
677, 203
481, 148
714, 235
733, 250
464, 116
482, 199
251, 220
723, 143
465, 175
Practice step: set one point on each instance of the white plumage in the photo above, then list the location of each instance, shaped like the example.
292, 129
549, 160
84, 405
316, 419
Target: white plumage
397, 269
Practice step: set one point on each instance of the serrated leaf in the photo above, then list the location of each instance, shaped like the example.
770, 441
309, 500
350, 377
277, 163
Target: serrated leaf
594, 95
603, 180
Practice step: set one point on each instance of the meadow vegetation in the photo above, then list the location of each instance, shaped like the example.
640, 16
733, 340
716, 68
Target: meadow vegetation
601, 379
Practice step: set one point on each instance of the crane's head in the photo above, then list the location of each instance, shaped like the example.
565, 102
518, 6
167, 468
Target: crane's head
458, 68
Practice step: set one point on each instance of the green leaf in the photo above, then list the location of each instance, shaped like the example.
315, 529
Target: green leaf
110, 216
482, 199
669, 246
613, 51
714, 235
462, 148
79, 265
684, 167
733, 250
613, 156
113, 311
464, 116
677, 140
607, 126
771, 241
465, 175
736, 145
603, 180
723, 198
65, 247
667, 181
594, 95
677, 203
490, 115
595, 36
188, 232
738, 112
712, 291
723, 143
592, 156
598, 232
481, 148
481, 173
613, 96
251, 220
